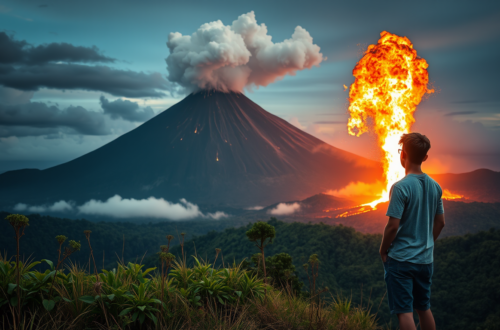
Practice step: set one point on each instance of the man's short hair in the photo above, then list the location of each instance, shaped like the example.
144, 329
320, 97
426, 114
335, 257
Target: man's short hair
415, 146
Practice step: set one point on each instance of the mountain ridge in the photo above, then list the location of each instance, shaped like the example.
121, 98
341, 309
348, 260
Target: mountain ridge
210, 148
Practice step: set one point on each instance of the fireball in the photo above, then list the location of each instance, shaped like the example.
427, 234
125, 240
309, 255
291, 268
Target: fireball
390, 82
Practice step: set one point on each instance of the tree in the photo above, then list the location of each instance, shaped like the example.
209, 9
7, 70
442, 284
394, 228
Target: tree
262, 234
281, 271
19, 222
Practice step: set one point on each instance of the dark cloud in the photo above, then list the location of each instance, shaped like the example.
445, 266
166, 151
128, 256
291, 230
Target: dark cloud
14, 96
36, 118
458, 113
12, 50
29, 68
65, 52
92, 78
21, 52
126, 110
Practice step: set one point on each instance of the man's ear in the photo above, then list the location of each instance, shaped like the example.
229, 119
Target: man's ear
425, 158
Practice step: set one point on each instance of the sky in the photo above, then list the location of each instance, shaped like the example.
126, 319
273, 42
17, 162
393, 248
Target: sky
77, 75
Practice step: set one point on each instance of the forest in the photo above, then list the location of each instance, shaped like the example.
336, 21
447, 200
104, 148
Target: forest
466, 284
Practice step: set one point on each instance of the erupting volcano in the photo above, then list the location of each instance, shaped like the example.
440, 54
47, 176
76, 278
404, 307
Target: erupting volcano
212, 148
390, 82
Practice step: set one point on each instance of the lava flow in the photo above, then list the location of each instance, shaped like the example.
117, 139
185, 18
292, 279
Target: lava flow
448, 195
390, 82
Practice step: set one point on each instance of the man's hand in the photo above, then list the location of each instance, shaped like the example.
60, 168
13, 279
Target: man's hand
391, 229
383, 255
438, 225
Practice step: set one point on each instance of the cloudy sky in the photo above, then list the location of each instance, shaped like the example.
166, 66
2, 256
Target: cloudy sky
76, 75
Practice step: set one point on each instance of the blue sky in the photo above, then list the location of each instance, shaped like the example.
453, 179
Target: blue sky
459, 39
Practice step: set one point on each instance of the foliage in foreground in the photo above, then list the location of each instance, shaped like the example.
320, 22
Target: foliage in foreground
129, 297
466, 280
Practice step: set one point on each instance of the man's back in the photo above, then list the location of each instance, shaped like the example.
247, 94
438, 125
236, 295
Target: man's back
415, 199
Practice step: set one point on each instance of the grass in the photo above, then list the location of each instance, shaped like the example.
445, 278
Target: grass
128, 297
177, 297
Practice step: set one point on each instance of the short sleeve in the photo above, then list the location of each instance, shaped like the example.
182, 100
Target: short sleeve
397, 202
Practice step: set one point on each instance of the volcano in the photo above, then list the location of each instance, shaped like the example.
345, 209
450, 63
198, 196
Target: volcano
211, 148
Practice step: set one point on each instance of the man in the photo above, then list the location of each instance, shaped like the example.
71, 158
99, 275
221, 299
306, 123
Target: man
416, 218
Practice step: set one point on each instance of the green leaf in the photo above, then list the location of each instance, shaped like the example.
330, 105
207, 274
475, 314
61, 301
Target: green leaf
50, 263
134, 317
152, 317
12, 286
3, 267
126, 311
141, 318
31, 265
13, 301
141, 308
111, 297
48, 304
48, 276
87, 299
220, 300
238, 293
141, 291
67, 300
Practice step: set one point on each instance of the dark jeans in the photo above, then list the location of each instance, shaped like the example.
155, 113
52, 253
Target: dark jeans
408, 285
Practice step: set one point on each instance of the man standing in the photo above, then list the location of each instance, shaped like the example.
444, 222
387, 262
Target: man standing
416, 218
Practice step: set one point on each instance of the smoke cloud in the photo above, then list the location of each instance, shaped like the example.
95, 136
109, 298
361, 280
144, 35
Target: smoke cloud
231, 57
284, 209
118, 207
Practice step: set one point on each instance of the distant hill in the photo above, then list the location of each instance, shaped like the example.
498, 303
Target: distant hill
465, 292
211, 148
481, 185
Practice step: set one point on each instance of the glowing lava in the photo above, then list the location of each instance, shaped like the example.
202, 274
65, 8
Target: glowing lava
448, 195
390, 82
356, 210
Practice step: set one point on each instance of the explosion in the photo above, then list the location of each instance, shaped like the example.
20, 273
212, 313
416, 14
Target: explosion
390, 82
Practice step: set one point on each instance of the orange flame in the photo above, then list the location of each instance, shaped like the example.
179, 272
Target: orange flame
390, 82
448, 195
355, 211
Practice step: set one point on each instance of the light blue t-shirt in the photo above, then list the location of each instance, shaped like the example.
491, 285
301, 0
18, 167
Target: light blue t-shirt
416, 200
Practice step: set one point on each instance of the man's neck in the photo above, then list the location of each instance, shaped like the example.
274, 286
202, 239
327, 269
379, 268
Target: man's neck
413, 169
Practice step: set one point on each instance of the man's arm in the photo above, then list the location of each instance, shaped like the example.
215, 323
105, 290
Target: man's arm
438, 225
391, 229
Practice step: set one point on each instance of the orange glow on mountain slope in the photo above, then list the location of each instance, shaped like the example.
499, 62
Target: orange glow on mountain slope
448, 195
356, 210
390, 82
